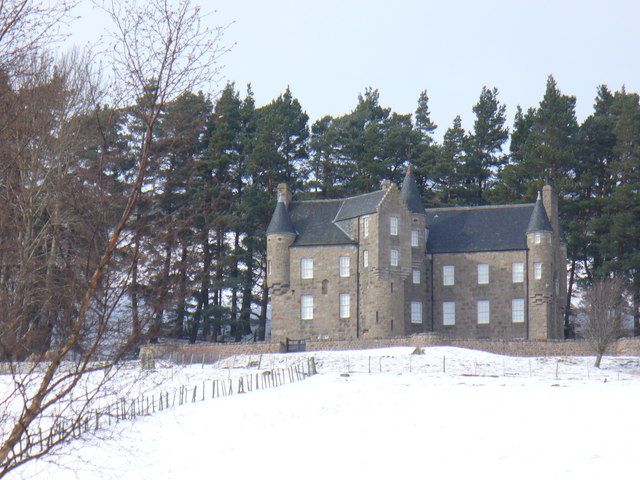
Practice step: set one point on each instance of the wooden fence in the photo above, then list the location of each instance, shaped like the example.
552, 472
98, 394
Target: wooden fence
64, 429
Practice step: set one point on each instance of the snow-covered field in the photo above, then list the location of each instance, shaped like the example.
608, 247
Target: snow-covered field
484, 416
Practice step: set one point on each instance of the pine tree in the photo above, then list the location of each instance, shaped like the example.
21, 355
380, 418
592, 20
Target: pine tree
450, 160
484, 158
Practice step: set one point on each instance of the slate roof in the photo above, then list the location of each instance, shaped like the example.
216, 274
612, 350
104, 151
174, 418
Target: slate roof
478, 229
361, 205
280, 221
410, 193
314, 222
539, 221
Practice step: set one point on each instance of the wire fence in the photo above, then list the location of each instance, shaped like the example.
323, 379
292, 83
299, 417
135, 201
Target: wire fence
69, 427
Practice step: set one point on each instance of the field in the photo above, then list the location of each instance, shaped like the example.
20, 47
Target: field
449, 413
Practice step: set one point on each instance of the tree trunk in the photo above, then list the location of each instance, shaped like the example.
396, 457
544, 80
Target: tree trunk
262, 325
162, 290
598, 359
235, 327
135, 314
181, 310
568, 328
203, 298
636, 310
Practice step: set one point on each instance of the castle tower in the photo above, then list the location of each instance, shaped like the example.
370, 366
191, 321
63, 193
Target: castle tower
416, 291
541, 275
280, 236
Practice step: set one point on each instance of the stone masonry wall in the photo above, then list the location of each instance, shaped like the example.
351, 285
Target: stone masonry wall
212, 352
466, 292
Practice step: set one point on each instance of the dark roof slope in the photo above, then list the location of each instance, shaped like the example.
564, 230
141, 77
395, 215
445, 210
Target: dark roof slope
280, 221
314, 222
410, 193
361, 205
539, 221
478, 229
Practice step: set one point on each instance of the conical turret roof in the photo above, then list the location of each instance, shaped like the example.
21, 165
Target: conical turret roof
280, 221
539, 221
410, 193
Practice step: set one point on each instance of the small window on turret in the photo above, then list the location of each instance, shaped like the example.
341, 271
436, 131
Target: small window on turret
414, 238
537, 270
537, 237
269, 267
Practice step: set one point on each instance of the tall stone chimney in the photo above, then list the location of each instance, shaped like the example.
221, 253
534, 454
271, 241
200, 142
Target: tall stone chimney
284, 194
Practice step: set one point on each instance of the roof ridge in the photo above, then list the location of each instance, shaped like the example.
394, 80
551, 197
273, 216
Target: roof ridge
480, 207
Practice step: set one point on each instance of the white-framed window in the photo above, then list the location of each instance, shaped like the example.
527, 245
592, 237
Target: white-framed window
448, 313
416, 312
517, 272
365, 258
537, 237
344, 267
269, 267
448, 275
416, 276
345, 305
483, 311
393, 225
306, 268
537, 270
483, 273
517, 310
415, 238
393, 257
365, 226
306, 307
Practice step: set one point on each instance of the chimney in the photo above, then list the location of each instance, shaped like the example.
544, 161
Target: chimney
550, 202
386, 184
284, 195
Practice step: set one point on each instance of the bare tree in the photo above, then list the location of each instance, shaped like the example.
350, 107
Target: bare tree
605, 306
160, 48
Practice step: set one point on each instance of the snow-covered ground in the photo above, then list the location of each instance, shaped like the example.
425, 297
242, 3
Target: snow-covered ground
484, 416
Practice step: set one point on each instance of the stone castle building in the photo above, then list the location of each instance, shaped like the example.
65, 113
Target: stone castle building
380, 265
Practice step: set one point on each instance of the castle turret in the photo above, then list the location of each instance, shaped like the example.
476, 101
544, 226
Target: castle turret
410, 193
280, 235
541, 272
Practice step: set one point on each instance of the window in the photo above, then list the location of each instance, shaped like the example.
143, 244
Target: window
306, 268
448, 275
393, 225
414, 238
269, 267
517, 310
416, 312
483, 274
537, 270
483, 311
416, 276
344, 267
517, 271
365, 226
345, 301
537, 237
365, 258
448, 313
325, 286
306, 307
394, 257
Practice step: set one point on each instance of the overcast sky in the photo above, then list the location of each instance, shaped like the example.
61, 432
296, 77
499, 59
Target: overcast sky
328, 51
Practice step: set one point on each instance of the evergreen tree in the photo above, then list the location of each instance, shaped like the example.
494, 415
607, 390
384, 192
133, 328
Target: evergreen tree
450, 160
484, 158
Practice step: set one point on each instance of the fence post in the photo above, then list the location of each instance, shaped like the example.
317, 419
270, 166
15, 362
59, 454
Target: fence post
444, 363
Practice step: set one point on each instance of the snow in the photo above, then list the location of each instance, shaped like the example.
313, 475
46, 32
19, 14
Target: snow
485, 416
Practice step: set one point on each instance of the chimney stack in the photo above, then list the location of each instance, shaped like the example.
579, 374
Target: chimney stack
284, 195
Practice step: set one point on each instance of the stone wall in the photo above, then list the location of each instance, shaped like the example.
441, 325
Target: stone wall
466, 292
212, 352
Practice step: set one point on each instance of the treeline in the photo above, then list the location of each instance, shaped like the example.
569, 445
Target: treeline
194, 252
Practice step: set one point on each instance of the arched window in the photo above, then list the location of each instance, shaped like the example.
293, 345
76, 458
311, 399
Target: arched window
325, 286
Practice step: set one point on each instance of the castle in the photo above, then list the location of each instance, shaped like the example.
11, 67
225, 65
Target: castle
380, 265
